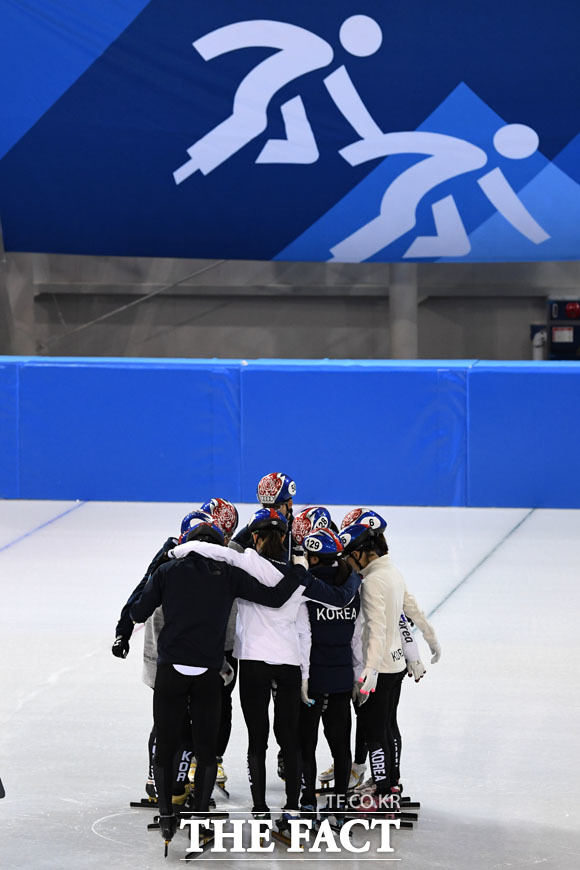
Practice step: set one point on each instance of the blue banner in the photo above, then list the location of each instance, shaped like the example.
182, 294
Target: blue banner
381, 131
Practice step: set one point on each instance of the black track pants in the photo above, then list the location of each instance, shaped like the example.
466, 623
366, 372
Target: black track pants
255, 692
174, 693
334, 710
376, 717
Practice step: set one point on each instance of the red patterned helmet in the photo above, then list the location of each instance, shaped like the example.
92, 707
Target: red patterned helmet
223, 513
364, 517
275, 488
308, 520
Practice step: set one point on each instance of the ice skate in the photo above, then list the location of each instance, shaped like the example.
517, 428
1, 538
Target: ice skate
407, 802
356, 776
167, 828
206, 838
282, 832
149, 802
326, 778
221, 777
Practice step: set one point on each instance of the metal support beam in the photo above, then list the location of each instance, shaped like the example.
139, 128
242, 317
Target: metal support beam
403, 304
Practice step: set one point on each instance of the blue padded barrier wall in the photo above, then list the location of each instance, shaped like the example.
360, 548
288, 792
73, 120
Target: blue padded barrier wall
9, 455
365, 431
461, 433
129, 430
524, 435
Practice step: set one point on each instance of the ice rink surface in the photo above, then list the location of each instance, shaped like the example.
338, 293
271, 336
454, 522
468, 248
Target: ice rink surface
491, 734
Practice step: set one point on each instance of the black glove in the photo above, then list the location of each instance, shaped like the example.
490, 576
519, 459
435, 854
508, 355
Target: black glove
120, 648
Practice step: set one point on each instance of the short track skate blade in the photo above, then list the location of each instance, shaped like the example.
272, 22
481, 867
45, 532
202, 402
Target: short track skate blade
204, 814
334, 826
153, 826
223, 789
145, 804
283, 839
407, 802
403, 823
205, 842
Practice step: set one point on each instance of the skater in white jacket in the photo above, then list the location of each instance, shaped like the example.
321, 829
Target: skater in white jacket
379, 686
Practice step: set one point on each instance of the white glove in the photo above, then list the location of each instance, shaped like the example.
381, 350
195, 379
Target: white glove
300, 560
416, 669
435, 651
368, 681
227, 673
304, 694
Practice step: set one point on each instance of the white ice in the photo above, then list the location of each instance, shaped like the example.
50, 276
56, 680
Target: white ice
491, 734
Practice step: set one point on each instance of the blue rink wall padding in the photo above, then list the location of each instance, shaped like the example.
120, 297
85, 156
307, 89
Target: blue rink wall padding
458, 433
524, 441
373, 432
9, 455
128, 430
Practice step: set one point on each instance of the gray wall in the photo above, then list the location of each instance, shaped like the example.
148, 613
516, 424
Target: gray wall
197, 308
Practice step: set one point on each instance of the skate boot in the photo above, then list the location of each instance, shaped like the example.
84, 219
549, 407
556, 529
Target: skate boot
327, 775
356, 775
180, 800
334, 815
282, 831
262, 812
192, 767
167, 828
221, 776
366, 787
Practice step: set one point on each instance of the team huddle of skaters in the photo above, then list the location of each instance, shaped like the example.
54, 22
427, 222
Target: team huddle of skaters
310, 615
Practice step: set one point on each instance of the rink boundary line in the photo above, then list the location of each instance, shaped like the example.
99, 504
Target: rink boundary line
481, 562
23, 537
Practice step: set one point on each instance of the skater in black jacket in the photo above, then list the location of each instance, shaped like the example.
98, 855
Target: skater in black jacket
196, 595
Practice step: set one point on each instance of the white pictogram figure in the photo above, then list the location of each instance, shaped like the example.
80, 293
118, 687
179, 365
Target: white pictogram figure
300, 52
446, 157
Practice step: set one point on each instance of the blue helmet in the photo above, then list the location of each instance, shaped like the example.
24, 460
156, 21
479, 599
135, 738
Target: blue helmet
356, 535
308, 520
194, 515
275, 488
203, 528
223, 513
364, 517
268, 518
323, 542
